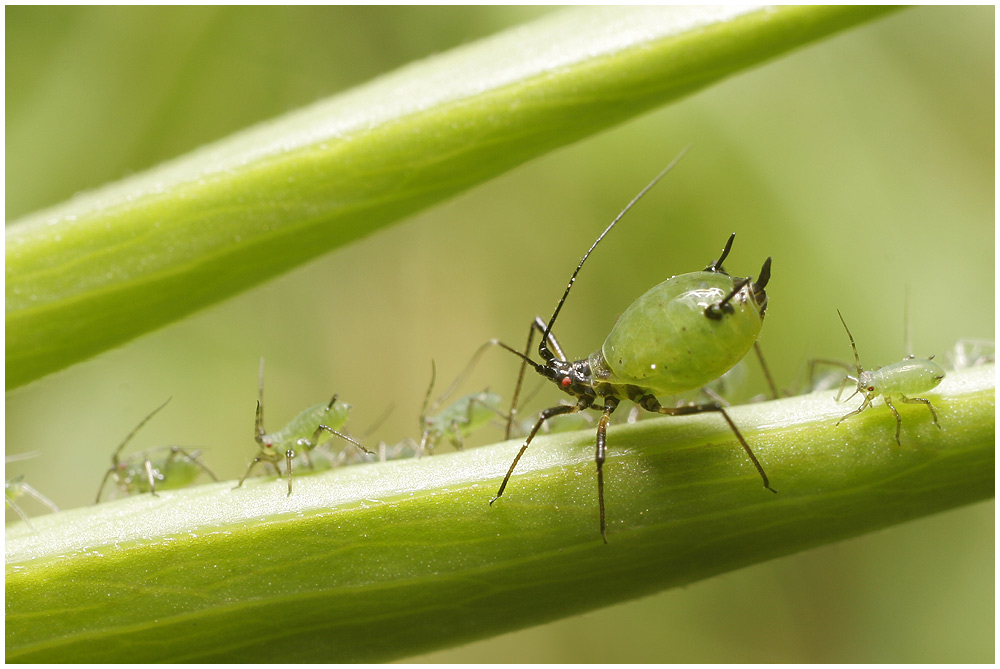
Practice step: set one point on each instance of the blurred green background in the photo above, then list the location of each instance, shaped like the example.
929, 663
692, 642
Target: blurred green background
864, 165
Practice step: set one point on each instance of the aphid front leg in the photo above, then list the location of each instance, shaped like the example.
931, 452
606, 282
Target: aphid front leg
584, 403
610, 404
899, 421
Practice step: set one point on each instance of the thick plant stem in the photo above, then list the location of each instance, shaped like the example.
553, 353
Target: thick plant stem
383, 561
133, 256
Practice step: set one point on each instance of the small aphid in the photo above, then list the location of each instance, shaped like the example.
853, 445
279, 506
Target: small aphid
895, 381
16, 487
163, 467
972, 352
301, 435
461, 418
678, 336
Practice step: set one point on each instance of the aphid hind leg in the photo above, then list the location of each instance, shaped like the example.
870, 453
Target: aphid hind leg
544, 416
195, 457
921, 400
610, 404
650, 403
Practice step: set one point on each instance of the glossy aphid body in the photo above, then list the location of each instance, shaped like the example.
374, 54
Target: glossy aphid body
15, 488
680, 335
160, 468
300, 436
893, 382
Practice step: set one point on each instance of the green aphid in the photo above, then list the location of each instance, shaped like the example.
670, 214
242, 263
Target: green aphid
303, 434
679, 336
160, 468
461, 418
896, 381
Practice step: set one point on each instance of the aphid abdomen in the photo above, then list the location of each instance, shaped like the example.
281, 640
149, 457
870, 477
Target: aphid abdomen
907, 377
304, 425
665, 343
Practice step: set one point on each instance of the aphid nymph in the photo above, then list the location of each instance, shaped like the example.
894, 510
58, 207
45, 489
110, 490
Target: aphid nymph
895, 381
678, 336
459, 419
15, 487
301, 435
163, 467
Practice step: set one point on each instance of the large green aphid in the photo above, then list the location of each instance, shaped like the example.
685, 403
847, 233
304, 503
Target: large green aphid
160, 468
896, 381
461, 418
678, 336
300, 436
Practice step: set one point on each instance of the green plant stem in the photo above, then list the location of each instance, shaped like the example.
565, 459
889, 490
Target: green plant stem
131, 257
386, 560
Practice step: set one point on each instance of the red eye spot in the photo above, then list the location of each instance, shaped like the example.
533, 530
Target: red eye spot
871, 388
566, 382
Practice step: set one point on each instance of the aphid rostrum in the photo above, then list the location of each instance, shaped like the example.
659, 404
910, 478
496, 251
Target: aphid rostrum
301, 435
678, 336
459, 419
896, 381
160, 468
15, 487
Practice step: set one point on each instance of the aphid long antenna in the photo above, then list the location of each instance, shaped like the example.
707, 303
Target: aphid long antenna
857, 360
907, 346
458, 379
260, 396
543, 351
114, 458
427, 396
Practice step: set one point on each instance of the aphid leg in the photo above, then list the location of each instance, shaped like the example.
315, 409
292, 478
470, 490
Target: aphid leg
921, 400
722, 307
544, 416
289, 456
536, 325
346, 438
899, 421
28, 490
147, 465
650, 403
18, 510
775, 394
104, 482
610, 404
250, 469
456, 439
864, 405
195, 457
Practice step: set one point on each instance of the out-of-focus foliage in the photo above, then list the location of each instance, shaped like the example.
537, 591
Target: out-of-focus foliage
864, 165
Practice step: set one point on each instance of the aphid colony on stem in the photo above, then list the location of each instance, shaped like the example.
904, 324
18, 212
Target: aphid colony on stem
163, 467
896, 381
678, 336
